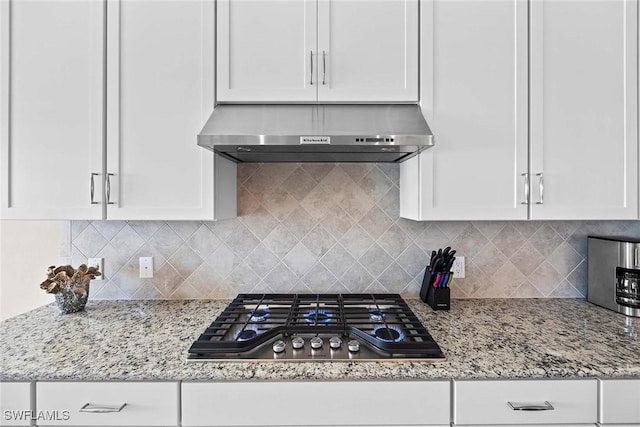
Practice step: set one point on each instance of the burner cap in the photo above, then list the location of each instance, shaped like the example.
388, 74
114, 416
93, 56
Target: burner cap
376, 315
319, 316
259, 314
389, 334
246, 335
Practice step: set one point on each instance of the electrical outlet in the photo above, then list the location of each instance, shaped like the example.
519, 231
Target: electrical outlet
458, 268
146, 267
97, 263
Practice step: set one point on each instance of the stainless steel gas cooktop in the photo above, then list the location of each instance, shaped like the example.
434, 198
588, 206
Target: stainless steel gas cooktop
316, 327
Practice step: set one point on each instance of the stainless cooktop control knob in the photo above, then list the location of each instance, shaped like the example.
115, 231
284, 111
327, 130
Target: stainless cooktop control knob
278, 346
316, 343
335, 342
297, 342
353, 345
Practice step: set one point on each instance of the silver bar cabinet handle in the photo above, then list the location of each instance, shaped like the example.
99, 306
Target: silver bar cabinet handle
92, 188
546, 406
101, 409
527, 190
540, 189
324, 67
108, 185
311, 73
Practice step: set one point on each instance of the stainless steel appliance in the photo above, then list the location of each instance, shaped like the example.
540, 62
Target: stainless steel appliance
316, 133
614, 274
312, 327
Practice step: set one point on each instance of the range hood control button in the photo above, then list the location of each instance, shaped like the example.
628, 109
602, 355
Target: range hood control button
354, 346
316, 343
278, 346
297, 343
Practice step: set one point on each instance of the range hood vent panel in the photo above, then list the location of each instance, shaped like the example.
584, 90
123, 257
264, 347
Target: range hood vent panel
316, 133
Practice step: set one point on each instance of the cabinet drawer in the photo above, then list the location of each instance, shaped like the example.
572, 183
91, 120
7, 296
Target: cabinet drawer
146, 404
619, 401
316, 403
15, 404
487, 402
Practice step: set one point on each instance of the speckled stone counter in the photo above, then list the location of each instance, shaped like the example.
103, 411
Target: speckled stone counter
148, 340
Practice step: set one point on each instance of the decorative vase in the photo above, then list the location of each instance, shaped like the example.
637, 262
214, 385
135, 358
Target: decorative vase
70, 302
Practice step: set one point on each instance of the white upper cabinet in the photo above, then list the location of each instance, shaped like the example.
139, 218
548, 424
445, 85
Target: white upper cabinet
160, 91
267, 50
368, 50
317, 50
101, 122
474, 97
564, 147
584, 142
52, 105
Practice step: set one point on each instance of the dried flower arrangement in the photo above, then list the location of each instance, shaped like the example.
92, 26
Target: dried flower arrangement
66, 278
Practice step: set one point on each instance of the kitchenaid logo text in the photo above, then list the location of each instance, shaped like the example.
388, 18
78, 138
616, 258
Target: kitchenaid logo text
315, 140
26, 415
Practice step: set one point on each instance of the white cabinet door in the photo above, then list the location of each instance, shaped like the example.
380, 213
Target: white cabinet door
511, 402
15, 403
314, 403
619, 402
160, 91
584, 143
474, 97
267, 50
52, 105
107, 403
368, 50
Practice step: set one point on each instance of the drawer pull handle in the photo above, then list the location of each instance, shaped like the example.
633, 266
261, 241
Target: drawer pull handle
540, 189
530, 406
324, 67
108, 184
526, 188
101, 409
311, 57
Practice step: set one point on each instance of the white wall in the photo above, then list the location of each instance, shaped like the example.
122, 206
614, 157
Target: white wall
27, 248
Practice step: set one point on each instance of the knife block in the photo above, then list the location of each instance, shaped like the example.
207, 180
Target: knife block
437, 298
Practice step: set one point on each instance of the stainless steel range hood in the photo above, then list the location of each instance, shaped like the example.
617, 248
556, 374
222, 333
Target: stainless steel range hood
316, 133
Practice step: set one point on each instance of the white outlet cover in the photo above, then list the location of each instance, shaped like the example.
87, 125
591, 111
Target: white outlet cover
146, 267
97, 263
458, 268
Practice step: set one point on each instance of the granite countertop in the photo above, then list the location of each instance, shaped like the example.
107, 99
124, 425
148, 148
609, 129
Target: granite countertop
488, 338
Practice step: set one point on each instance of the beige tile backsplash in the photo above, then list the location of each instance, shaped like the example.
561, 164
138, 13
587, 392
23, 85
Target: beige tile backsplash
331, 228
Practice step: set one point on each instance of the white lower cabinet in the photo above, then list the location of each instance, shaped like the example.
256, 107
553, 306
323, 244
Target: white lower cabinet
107, 403
316, 403
620, 402
15, 403
576, 402
516, 402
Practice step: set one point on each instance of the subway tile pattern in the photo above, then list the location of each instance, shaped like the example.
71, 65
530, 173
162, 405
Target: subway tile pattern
331, 228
